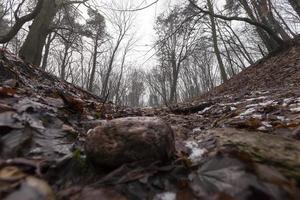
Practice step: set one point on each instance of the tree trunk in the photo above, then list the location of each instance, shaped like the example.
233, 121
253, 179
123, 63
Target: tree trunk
120, 78
32, 49
110, 65
174, 80
296, 5
109, 69
173, 89
268, 42
92, 78
264, 10
5, 38
215, 42
64, 62
227, 52
47, 50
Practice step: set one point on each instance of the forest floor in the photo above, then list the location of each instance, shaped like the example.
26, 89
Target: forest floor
240, 141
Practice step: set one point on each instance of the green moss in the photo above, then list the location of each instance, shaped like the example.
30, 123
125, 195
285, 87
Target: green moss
98, 115
80, 163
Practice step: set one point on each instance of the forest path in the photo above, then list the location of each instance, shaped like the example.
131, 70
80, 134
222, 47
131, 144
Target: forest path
234, 145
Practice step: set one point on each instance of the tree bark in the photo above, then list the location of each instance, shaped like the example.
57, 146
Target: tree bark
173, 88
47, 50
110, 65
270, 43
121, 75
20, 21
296, 5
32, 49
95, 54
263, 8
64, 62
215, 42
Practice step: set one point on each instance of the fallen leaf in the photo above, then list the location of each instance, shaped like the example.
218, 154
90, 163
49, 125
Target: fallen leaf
74, 103
7, 91
11, 173
69, 129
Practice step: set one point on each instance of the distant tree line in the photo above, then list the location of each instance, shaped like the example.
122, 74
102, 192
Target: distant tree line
199, 44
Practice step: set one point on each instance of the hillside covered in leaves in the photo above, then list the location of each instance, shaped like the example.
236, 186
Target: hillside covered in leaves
240, 141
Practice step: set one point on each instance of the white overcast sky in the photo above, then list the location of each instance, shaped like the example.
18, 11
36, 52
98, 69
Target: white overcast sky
143, 26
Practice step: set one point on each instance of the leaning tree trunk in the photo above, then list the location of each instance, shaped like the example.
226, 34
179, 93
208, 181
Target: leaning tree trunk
104, 92
173, 88
174, 79
47, 51
32, 49
265, 12
93, 72
215, 41
296, 5
270, 43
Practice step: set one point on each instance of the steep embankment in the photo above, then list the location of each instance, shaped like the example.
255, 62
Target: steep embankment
238, 142
281, 70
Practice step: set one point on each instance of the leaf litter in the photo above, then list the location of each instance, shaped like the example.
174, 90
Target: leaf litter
223, 152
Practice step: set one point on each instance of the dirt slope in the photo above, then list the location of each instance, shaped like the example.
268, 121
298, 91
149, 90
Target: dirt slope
281, 70
239, 142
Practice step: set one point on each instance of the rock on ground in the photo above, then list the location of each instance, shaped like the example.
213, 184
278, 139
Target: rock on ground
130, 139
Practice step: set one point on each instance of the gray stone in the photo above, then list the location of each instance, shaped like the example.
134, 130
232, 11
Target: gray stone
131, 139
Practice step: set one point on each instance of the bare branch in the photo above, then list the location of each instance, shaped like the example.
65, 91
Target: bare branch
243, 19
20, 22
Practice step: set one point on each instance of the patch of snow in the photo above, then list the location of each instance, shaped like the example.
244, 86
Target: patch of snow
281, 118
233, 108
191, 144
196, 152
257, 116
248, 112
205, 110
252, 105
287, 101
236, 103
89, 117
230, 104
37, 150
258, 98
260, 92
262, 128
295, 110
196, 130
267, 103
165, 196
266, 124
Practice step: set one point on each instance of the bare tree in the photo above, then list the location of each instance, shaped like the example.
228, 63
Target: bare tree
20, 21
215, 42
32, 48
96, 26
128, 47
122, 22
175, 44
